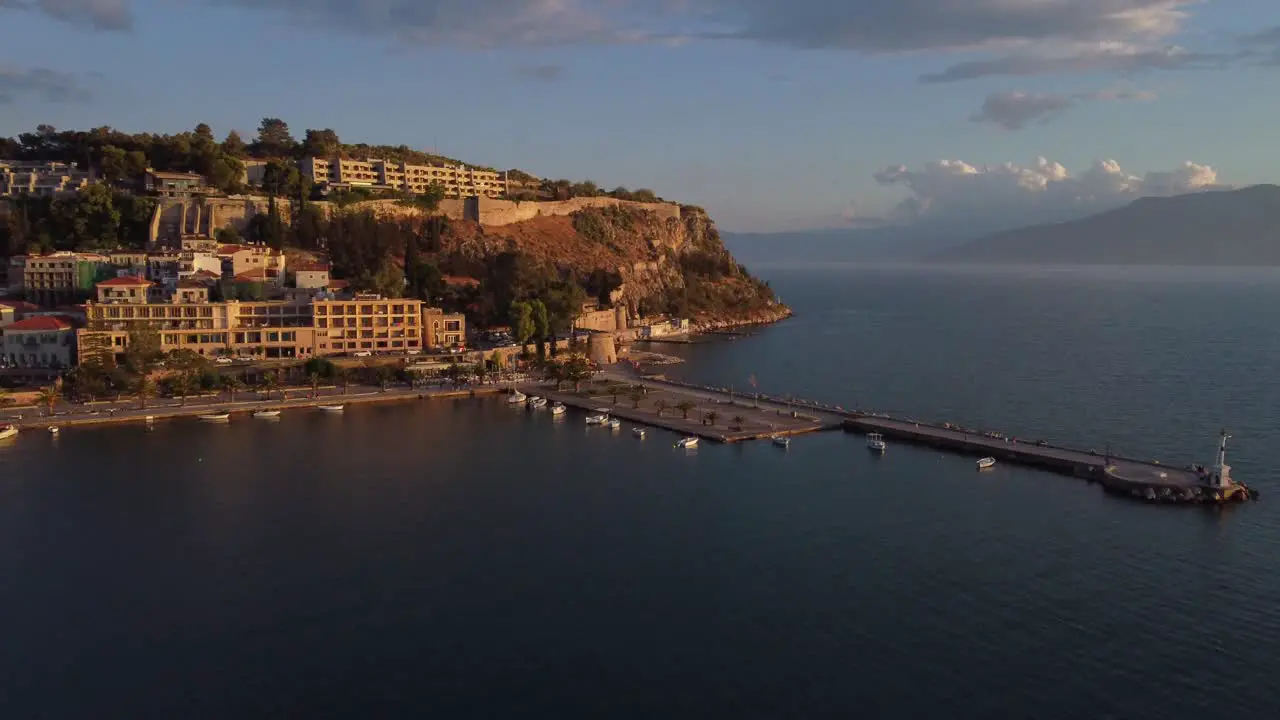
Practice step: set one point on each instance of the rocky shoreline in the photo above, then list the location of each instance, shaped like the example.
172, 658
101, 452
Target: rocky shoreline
775, 314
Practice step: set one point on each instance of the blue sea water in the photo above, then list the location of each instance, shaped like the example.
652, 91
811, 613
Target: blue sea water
463, 559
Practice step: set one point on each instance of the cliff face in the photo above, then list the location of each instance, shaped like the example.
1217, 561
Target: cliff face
655, 263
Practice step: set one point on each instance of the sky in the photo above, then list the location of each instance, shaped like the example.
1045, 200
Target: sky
772, 114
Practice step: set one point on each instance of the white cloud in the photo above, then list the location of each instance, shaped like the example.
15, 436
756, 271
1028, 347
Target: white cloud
958, 194
1015, 110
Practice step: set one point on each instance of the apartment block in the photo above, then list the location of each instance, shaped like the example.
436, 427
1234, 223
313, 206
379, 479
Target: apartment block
367, 323
245, 259
39, 342
62, 277
457, 180
41, 178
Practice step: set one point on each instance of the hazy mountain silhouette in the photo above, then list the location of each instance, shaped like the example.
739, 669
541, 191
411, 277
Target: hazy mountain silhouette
1225, 227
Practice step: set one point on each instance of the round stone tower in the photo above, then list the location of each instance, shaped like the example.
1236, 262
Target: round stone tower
601, 349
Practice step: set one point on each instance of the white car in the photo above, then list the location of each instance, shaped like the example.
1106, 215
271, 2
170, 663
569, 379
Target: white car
224, 361
362, 353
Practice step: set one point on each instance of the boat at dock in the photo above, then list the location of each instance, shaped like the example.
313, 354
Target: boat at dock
597, 419
687, 443
781, 441
516, 397
875, 442
333, 408
215, 417
266, 414
8, 431
537, 403
558, 409
615, 424
986, 462
638, 432
53, 430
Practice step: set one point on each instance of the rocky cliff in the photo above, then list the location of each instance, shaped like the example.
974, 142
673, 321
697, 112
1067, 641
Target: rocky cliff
653, 263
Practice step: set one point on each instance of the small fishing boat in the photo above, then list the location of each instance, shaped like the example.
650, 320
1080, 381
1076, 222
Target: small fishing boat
333, 408
638, 432
875, 442
531, 399
687, 443
780, 441
53, 430
8, 431
516, 397
266, 414
537, 403
986, 462
597, 419
558, 409
216, 417
615, 424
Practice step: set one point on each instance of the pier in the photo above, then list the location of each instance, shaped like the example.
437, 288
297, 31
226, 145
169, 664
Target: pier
763, 416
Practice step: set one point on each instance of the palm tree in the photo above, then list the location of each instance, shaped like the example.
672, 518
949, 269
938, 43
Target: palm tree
685, 406
482, 370
145, 388
232, 385
636, 397
315, 384
182, 385
738, 421
270, 383
49, 396
712, 417
343, 377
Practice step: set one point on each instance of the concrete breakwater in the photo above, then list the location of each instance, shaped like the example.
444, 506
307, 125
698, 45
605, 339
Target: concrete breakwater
1150, 481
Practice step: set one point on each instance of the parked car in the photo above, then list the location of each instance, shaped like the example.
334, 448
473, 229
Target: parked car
362, 353
224, 361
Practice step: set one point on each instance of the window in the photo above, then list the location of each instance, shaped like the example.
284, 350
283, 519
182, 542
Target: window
382, 344
273, 337
193, 339
289, 336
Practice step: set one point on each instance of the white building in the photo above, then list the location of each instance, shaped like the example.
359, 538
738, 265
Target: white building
312, 276
40, 342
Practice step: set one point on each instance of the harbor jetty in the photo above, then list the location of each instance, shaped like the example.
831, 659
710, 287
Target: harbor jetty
1147, 480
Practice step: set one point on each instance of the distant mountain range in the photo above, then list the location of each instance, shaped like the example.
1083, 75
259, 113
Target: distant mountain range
1212, 228
1225, 227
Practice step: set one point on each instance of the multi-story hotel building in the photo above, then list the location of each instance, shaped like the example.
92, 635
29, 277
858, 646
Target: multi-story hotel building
275, 329
41, 178
61, 276
457, 180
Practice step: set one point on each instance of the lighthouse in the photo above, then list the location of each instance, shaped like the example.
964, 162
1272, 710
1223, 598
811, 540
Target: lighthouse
1221, 470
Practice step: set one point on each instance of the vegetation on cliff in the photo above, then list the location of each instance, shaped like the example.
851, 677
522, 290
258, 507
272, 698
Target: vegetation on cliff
97, 218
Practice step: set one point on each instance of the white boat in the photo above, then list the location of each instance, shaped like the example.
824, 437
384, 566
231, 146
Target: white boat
687, 443
986, 462
268, 414
638, 432
875, 442
615, 424
557, 409
8, 431
780, 441
216, 417
531, 399
53, 430
538, 403
333, 408
516, 397
597, 419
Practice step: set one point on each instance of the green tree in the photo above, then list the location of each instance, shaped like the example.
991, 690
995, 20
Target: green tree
712, 417
234, 145
636, 397
685, 406
576, 369
389, 281
145, 388
228, 236
321, 144
382, 374
343, 378
644, 195
142, 352
274, 139
314, 377
270, 382
522, 323
738, 422
112, 164
232, 385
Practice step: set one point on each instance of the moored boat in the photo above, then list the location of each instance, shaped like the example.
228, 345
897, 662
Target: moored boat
875, 442
53, 430
333, 408
215, 417
638, 432
8, 431
537, 403
687, 443
597, 419
615, 424
986, 462
558, 409
781, 441
266, 414
516, 397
